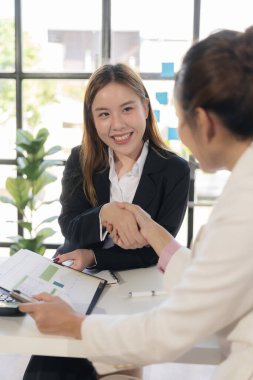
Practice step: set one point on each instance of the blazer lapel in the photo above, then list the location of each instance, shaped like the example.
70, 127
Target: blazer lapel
146, 189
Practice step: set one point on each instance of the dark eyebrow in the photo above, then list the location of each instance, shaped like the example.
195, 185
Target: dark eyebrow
100, 109
129, 102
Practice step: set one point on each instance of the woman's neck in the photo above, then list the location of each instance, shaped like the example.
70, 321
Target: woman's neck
124, 163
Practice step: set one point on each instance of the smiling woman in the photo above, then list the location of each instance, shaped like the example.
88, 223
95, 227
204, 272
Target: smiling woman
120, 120
121, 157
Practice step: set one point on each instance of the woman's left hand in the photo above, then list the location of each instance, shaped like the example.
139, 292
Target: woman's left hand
54, 316
81, 258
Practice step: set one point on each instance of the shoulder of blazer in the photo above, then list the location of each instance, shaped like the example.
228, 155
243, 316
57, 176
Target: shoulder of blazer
75, 155
163, 160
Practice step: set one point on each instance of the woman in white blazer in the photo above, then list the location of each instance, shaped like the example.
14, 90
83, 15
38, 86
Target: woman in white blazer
211, 286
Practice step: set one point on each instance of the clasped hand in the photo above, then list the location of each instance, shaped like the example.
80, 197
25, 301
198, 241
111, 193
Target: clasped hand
124, 222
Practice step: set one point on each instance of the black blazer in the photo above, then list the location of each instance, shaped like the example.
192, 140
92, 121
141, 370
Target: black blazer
162, 192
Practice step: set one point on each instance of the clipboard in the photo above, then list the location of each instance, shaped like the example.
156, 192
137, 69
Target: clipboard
108, 275
32, 273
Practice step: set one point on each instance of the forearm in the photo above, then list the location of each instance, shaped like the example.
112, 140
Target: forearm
116, 258
81, 228
157, 236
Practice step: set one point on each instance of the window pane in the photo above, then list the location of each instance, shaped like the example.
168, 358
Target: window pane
147, 34
209, 186
58, 106
7, 119
7, 36
61, 35
226, 14
182, 233
201, 216
8, 213
161, 98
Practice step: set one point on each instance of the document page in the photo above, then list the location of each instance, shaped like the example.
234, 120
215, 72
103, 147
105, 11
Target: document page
31, 273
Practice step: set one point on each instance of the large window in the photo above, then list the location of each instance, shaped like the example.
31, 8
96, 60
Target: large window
48, 50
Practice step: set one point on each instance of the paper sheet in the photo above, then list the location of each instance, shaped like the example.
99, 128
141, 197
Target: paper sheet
31, 274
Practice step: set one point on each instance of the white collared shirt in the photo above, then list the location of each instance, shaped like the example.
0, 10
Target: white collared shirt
124, 189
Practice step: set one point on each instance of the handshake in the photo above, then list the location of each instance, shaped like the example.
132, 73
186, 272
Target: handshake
128, 225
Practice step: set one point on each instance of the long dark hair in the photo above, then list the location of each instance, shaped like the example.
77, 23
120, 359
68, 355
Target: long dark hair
94, 152
217, 75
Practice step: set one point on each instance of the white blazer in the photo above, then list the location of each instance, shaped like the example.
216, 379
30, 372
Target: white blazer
211, 292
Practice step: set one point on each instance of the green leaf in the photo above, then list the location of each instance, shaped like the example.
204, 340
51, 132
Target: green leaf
45, 233
42, 181
40, 154
16, 238
32, 170
30, 144
53, 150
34, 244
48, 220
41, 250
19, 190
14, 248
4, 199
25, 225
42, 135
23, 137
49, 202
40, 167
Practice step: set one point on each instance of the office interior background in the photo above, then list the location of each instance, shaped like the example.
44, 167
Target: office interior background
48, 50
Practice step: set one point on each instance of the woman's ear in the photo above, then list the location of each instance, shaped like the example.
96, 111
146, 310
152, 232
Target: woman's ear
206, 124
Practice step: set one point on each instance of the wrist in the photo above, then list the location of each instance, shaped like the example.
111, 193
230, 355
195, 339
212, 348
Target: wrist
77, 321
102, 214
158, 238
91, 258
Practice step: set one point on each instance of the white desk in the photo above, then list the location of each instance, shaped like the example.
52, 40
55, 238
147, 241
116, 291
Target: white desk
20, 335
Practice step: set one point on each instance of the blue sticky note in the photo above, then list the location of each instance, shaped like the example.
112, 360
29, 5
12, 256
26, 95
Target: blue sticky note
167, 69
172, 134
157, 115
162, 97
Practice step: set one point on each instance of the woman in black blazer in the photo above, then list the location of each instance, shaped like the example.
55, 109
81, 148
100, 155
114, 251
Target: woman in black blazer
162, 192
162, 189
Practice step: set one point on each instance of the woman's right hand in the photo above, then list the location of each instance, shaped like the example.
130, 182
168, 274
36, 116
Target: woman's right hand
122, 223
54, 316
155, 235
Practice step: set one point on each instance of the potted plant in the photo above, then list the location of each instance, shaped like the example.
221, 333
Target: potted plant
25, 189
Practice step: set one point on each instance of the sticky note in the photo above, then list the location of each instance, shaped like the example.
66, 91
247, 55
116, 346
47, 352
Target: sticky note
157, 115
172, 133
162, 97
167, 69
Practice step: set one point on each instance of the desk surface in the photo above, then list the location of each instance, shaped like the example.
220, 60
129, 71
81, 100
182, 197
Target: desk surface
20, 335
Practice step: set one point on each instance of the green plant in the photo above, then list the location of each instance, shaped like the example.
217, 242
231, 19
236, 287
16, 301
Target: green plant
24, 190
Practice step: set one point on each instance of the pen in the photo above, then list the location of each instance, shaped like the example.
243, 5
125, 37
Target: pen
148, 293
